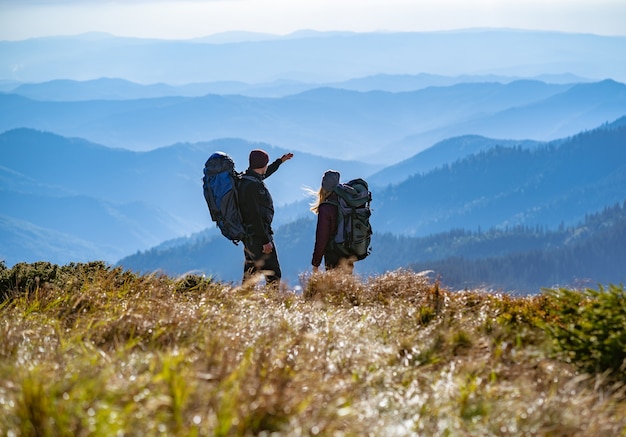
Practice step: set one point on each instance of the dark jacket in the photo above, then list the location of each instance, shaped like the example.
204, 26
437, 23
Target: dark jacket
325, 232
256, 205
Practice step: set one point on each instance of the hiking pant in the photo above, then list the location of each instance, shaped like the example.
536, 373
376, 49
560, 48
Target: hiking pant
333, 261
258, 262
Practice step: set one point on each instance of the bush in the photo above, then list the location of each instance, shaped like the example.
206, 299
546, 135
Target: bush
25, 278
589, 328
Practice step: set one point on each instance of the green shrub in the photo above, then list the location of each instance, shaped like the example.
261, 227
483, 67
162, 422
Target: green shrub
589, 328
26, 279
192, 283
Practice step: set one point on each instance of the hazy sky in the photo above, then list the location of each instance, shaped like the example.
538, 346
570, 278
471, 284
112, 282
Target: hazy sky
20, 19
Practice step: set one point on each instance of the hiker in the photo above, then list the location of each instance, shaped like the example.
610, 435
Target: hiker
325, 206
257, 212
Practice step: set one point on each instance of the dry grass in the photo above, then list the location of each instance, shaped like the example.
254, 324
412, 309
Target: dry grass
91, 350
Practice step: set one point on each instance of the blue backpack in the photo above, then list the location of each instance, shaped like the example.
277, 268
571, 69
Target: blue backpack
219, 184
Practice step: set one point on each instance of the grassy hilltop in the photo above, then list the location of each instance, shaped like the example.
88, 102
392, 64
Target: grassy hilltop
87, 349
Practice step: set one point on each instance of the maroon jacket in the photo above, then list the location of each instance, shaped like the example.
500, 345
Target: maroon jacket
325, 231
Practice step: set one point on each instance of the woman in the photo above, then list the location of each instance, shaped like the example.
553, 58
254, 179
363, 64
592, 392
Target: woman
325, 206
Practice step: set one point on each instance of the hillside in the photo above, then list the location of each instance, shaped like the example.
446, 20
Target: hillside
519, 260
83, 196
440, 154
79, 228
525, 260
558, 182
103, 351
169, 177
541, 201
22, 241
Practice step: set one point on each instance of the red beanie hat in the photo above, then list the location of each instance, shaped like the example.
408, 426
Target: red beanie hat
259, 158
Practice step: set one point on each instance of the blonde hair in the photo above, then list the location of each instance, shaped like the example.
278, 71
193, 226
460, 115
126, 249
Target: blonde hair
320, 197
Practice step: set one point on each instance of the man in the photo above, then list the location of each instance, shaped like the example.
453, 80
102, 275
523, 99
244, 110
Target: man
257, 212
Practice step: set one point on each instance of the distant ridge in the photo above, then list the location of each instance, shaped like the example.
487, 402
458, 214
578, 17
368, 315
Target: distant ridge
332, 122
443, 153
121, 89
321, 57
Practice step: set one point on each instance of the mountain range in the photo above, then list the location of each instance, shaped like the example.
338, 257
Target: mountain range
376, 126
495, 203
120, 201
308, 56
476, 142
66, 90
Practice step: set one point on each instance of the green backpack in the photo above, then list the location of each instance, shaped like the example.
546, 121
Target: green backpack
354, 231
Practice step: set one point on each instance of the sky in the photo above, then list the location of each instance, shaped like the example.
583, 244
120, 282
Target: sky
172, 19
